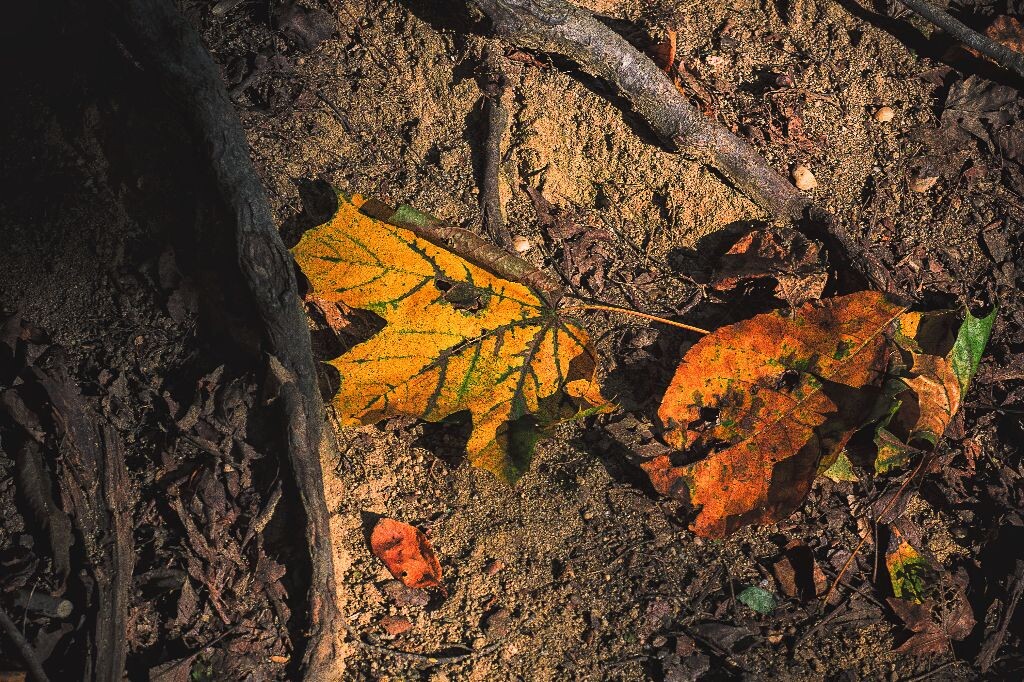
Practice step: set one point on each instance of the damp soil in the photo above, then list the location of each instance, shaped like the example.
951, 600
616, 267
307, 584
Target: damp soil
579, 571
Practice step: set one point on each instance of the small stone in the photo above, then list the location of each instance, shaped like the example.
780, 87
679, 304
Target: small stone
395, 625
923, 183
775, 638
803, 178
493, 566
884, 114
659, 641
521, 244
479, 643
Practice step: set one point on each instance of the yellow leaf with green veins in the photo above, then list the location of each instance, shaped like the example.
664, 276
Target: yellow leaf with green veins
457, 338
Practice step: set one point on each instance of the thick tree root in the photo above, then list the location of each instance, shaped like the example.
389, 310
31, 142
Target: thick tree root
163, 42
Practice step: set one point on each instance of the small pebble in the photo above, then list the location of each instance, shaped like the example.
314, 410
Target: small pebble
803, 178
493, 566
659, 641
884, 114
521, 244
923, 184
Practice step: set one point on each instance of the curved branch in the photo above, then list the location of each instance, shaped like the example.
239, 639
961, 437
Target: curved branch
558, 27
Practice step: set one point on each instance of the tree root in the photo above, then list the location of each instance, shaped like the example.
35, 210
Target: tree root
163, 42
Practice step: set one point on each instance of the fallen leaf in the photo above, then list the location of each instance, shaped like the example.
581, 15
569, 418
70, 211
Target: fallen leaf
798, 574
938, 374
758, 599
457, 338
936, 625
756, 407
407, 553
841, 470
908, 570
927, 637
1007, 31
786, 256
663, 52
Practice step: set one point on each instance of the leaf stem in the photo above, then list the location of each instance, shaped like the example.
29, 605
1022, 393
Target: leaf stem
636, 313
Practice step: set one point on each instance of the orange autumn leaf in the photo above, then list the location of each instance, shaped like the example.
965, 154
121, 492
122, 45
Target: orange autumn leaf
757, 407
407, 553
456, 338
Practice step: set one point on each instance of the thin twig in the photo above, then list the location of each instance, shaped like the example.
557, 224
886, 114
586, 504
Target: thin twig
28, 654
1001, 54
491, 201
636, 313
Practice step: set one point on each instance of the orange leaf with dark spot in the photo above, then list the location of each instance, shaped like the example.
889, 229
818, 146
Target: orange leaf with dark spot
757, 407
407, 553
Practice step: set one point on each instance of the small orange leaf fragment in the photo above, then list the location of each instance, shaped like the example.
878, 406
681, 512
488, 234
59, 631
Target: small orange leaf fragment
407, 553
757, 406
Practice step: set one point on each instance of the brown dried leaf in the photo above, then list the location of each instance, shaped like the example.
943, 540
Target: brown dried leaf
786, 256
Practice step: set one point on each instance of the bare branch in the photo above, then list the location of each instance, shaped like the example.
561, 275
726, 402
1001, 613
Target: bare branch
558, 27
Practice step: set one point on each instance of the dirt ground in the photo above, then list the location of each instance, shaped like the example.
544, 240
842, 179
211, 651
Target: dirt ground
580, 571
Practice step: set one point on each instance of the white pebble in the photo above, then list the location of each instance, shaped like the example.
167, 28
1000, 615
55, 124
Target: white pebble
803, 178
521, 244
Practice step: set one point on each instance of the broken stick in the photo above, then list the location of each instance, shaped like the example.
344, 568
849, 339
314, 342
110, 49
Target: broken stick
965, 34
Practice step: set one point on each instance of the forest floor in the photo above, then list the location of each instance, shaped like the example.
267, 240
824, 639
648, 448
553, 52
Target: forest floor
579, 571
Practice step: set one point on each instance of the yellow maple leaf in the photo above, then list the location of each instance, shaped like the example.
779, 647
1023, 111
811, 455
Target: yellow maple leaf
456, 338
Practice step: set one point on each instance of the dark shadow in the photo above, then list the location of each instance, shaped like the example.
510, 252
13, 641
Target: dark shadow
319, 203
446, 439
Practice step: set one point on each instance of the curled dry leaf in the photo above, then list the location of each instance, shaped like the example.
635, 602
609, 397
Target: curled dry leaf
935, 625
757, 407
407, 553
456, 338
936, 373
785, 255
